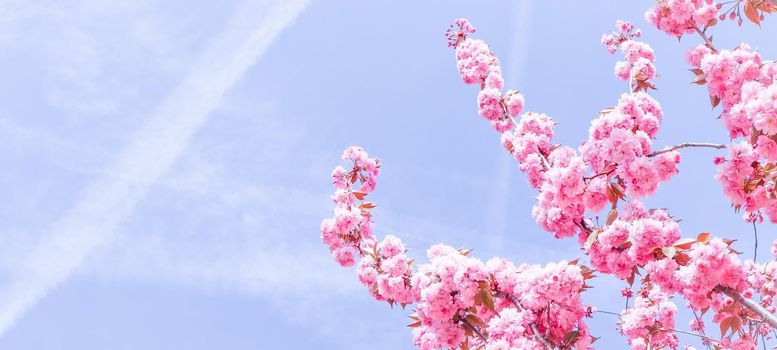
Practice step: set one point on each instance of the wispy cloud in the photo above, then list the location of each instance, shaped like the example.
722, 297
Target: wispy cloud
517, 57
94, 218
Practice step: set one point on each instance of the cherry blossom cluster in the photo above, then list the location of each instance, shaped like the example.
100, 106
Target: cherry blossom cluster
631, 240
744, 85
461, 295
625, 31
352, 221
618, 151
387, 272
530, 144
678, 17
650, 323
619, 147
638, 66
710, 265
478, 65
508, 329
549, 297
448, 285
460, 301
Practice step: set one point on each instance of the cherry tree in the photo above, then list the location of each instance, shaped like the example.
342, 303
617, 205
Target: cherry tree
459, 301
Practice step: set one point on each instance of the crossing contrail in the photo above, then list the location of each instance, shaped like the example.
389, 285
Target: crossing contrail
95, 216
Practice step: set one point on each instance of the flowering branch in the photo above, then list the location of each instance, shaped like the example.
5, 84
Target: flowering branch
619, 153
750, 305
686, 145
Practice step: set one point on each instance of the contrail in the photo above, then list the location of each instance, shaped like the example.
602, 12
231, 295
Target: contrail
514, 67
93, 219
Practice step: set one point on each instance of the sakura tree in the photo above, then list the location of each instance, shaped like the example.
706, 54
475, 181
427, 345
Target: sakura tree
462, 302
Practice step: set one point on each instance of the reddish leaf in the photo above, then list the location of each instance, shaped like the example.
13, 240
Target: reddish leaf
415, 324
752, 13
359, 195
725, 325
736, 323
486, 298
618, 190
368, 205
475, 321
681, 258
571, 337
612, 216
703, 237
684, 243
612, 196
714, 100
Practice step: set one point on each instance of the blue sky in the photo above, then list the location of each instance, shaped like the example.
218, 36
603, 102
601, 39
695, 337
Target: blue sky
167, 163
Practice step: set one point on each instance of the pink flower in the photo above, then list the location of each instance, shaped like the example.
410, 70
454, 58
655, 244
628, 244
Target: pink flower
490, 104
345, 255
651, 318
458, 31
475, 61
710, 265
677, 17
514, 102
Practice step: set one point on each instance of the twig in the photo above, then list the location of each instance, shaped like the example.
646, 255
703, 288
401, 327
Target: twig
707, 40
755, 249
609, 313
534, 329
687, 144
702, 329
688, 333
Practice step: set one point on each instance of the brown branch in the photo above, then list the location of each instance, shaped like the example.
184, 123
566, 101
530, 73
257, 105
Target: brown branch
686, 145
688, 333
751, 305
608, 313
534, 329
707, 40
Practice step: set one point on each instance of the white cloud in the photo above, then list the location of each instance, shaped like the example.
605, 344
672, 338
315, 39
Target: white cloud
104, 205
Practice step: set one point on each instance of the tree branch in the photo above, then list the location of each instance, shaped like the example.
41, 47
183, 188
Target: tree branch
750, 305
686, 145
689, 333
534, 329
707, 40
608, 313
755, 249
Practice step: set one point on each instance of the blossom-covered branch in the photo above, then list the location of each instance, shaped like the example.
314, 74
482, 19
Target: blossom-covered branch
461, 302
